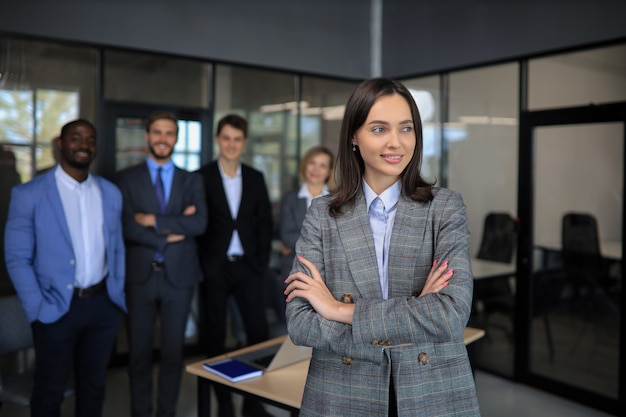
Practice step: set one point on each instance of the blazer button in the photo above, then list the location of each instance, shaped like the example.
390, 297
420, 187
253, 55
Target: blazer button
347, 298
423, 358
388, 343
347, 360
374, 342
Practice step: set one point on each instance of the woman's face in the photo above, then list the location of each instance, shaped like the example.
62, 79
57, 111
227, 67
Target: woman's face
317, 169
386, 141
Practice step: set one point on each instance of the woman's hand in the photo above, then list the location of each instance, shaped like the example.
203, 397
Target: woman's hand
313, 289
437, 278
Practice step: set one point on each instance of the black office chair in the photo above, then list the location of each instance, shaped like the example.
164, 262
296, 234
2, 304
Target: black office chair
547, 292
15, 337
499, 237
496, 297
587, 272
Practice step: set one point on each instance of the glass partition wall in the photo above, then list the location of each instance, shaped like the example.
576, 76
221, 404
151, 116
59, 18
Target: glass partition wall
484, 136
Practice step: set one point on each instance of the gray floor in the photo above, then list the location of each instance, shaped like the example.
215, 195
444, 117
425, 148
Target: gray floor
498, 397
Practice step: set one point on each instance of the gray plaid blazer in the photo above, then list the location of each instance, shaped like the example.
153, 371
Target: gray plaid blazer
416, 341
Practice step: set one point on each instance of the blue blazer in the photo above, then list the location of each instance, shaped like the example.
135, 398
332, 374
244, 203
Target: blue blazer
38, 247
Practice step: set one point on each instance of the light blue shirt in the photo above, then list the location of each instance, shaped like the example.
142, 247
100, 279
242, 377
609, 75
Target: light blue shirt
233, 187
167, 175
382, 225
82, 205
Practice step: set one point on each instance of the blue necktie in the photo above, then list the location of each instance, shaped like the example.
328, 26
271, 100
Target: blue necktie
160, 192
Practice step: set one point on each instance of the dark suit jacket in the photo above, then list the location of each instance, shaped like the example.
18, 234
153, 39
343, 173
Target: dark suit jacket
292, 211
253, 222
181, 258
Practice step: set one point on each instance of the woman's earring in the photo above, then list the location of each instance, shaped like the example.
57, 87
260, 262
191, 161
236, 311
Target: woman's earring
353, 147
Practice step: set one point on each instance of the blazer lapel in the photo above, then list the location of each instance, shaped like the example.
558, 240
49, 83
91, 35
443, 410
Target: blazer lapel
406, 243
175, 190
355, 233
54, 197
217, 187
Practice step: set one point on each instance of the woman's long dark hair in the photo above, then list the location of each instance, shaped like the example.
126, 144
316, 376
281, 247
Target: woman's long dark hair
350, 166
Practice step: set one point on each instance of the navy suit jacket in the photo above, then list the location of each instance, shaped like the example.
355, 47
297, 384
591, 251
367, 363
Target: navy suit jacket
253, 222
39, 252
292, 211
142, 243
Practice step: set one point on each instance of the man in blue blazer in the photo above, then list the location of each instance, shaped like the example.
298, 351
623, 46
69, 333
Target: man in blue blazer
65, 255
164, 210
235, 248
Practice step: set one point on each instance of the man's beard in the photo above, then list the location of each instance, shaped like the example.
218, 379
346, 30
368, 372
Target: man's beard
78, 164
161, 157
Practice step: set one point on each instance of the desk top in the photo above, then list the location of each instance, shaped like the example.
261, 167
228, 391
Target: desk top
284, 385
482, 269
608, 248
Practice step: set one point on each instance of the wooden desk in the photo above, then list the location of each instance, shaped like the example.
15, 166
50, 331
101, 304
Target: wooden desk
282, 388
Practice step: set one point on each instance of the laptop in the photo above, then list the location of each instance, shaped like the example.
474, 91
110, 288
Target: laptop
275, 356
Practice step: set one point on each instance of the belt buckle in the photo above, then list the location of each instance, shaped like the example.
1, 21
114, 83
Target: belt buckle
80, 293
158, 265
233, 258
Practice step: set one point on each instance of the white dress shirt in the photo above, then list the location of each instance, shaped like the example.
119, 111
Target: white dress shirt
233, 187
304, 193
82, 205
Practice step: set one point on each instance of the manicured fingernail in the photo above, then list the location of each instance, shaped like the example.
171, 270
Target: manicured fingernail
449, 271
435, 262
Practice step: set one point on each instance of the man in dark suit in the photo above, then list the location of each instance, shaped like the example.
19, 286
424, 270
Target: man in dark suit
235, 249
164, 210
65, 255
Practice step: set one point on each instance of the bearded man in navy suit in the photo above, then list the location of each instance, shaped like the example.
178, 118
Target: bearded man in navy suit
164, 210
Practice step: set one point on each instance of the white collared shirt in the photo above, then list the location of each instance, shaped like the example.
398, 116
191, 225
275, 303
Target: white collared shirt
304, 193
82, 205
233, 187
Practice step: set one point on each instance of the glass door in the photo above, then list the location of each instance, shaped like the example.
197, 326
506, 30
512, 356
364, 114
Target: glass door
572, 254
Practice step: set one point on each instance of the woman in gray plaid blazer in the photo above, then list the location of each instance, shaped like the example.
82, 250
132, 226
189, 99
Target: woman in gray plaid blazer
383, 303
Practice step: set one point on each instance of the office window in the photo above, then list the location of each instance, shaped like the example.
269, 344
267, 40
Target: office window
266, 99
577, 78
156, 79
425, 92
42, 86
321, 112
481, 138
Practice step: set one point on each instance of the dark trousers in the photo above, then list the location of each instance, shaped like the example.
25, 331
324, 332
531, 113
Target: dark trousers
146, 301
82, 340
238, 280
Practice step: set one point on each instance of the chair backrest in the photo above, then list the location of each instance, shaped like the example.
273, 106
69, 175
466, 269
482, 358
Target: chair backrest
15, 331
579, 233
499, 238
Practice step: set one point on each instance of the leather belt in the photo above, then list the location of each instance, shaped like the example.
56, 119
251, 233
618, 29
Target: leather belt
234, 258
89, 291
